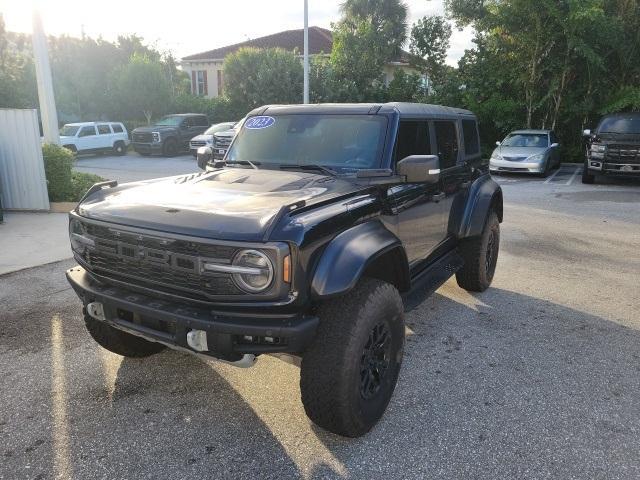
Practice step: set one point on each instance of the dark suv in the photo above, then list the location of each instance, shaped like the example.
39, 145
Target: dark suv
613, 148
300, 244
169, 135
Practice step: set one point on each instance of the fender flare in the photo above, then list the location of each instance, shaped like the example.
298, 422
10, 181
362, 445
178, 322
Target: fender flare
484, 194
347, 256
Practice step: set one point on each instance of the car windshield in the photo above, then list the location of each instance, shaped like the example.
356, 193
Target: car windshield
169, 121
69, 130
620, 124
339, 142
219, 127
533, 140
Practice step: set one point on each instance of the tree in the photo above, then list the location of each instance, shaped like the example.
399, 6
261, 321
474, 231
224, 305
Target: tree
406, 87
255, 77
142, 87
369, 34
429, 41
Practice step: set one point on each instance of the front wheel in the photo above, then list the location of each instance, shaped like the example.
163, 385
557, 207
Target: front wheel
350, 371
119, 148
170, 148
480, 256
587, 178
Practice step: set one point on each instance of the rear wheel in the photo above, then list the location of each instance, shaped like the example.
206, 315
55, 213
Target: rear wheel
349, 373
170, 147
480, 256
119, 148
120, 342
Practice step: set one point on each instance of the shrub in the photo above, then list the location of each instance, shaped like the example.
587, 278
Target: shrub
63, 183
58, 162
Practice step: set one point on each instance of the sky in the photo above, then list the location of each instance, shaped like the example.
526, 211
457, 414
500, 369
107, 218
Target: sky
194, 26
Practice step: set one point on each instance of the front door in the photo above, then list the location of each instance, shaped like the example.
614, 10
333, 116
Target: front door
417, 205
86, 138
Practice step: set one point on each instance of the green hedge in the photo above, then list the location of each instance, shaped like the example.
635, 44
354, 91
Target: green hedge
63, 183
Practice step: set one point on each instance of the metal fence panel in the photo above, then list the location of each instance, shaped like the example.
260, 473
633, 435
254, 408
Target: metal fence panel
23, 184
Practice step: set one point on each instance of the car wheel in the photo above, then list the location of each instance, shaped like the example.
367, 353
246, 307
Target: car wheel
350, 371
71, 147
119, 148
587, 178
480, 256
170, 147
547, 169
120, 342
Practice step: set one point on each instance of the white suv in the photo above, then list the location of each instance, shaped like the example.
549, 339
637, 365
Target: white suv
92, 137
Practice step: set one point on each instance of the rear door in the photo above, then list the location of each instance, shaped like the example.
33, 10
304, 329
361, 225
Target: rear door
104, 139
417, 205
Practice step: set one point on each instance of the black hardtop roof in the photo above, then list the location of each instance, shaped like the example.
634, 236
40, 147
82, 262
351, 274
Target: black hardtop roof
406, 110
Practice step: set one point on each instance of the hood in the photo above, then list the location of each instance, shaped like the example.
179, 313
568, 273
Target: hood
227, 204
153, 128
66, 137
519, 153
202, 138
226, 134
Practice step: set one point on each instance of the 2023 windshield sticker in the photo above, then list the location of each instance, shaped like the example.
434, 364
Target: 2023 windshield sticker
259, 122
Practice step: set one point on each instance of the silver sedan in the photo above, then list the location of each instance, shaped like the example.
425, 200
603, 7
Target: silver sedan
527, 151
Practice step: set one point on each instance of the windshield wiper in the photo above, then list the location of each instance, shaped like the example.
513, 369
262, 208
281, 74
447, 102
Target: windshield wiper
322, 169
244, 162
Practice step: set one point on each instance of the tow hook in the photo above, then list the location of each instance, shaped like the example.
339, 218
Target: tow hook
96, 310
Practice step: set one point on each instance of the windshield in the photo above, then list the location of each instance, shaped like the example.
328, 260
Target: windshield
218, 127
620, 124
533, 140
169, 121
340, 142
69, 130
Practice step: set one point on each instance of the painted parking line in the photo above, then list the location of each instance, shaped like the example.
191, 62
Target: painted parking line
575, 174
548, 180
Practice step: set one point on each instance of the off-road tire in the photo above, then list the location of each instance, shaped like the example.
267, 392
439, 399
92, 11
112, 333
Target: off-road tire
480, 256
120, 342
587, 178
170, 147
119, 148
334, 370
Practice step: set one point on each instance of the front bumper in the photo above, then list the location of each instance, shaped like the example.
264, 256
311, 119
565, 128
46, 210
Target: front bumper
147, 147
169, 322
520, 166
605, 166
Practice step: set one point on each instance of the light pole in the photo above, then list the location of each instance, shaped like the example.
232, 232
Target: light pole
305, 95
46, 99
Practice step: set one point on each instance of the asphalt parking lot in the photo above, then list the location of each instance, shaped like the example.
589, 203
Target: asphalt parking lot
538, 377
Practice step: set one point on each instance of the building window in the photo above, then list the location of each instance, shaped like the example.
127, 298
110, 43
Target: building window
219, 82
201, 82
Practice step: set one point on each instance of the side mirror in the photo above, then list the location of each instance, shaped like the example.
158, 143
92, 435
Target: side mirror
554, 145
497, 144
586, 133
204, 156
420, 168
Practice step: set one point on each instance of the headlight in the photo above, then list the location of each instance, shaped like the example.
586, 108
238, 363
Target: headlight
155, 136
536, 158
496, 156
77, 236
255, 270
598, 148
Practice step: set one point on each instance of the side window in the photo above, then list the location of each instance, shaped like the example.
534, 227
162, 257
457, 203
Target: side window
201, 121
470, 134
87, 131
104, 129
413, 139
447, 141
187, 123
553, 138
116, 128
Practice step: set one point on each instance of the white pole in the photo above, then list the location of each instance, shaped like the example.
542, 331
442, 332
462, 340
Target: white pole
47, 101
306, 52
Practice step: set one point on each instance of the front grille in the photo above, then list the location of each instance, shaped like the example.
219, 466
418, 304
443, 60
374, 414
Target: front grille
222, 142
198, 143
624, 154
515, 159
144, 137
164, 264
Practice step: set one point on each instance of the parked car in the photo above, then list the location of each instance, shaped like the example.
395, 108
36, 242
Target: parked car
95, 137
222, 141
299, 245
527, 151
206, 139
613, 148
169, 135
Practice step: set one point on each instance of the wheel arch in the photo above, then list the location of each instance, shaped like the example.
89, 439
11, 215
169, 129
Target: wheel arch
484, 194
368, 249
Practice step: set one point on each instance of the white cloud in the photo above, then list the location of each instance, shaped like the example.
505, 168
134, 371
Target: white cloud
196, 25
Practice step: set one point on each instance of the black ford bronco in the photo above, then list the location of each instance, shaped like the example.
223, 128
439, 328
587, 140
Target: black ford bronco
300, 244
613, 148
169, 135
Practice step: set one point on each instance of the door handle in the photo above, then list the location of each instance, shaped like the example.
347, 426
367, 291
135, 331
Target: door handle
439, 196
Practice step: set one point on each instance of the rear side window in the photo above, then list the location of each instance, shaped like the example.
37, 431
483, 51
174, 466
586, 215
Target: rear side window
447, 141
103, 129
202, 121
116, 128
470, 134
413, 139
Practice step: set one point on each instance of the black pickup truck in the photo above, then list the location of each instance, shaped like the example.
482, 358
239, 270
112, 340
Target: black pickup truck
170, 135
300, 244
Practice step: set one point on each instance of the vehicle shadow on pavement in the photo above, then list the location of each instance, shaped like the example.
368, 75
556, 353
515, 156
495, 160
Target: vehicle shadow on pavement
504, 385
